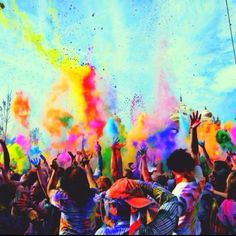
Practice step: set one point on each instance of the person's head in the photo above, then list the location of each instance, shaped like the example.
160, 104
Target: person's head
75, 183
119, 210
181, 162
36, 192
229, 162
15, 177
162, 179
123, 195
154, 175
29, 178
128, 174
219, 175
103, 183
231, 186
7, 193
219, 165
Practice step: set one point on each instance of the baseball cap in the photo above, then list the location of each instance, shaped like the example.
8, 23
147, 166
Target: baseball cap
129, 191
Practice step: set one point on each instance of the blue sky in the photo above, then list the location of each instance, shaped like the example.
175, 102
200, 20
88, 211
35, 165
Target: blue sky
129, 43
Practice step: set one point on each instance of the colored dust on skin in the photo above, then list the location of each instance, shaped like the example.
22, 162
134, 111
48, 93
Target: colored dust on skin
20, 108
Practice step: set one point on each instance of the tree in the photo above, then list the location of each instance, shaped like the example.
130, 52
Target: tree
5, 115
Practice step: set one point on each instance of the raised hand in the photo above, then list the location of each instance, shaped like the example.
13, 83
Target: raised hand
98, 147
116, 140
195, 120
116, 144
43, 158
83, 142
86, 159
72, 155
54, 164
35, 161
143, 150
201, 144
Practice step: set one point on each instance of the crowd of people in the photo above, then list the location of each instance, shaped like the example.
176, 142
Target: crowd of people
185, 200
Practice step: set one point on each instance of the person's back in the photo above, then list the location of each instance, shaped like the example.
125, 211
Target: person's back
75, 202
187, 190
75, 219
188, 194
127, 206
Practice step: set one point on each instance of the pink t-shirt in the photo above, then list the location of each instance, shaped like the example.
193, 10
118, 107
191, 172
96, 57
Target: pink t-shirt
227, 215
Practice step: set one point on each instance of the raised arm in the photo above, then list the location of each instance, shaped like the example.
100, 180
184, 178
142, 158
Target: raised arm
4, 175
99, 153
195, 119
42, 179
91, 180
144, 167
52, 184
99, 167
205, 153
47, 167
116, 161
6, 156
166, 219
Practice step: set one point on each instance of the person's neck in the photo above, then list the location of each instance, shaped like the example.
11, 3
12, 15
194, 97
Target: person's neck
182, 179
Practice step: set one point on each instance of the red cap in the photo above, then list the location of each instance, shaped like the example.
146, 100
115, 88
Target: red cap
129, 191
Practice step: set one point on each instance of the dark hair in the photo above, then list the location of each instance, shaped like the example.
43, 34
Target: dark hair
128, 174
219, 176
15, 177
75, 183
123, 209
162, 179
219, 165
32, 177
104, 179
180, 161
7, 193
231, 188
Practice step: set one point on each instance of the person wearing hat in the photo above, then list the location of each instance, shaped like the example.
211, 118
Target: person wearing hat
127, 202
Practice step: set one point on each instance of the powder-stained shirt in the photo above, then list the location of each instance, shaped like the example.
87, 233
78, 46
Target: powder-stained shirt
188, 194
227, 215
163, 224
74, 219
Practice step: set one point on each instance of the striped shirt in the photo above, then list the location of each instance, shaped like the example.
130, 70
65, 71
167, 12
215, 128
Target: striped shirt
74, 219
163, 224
